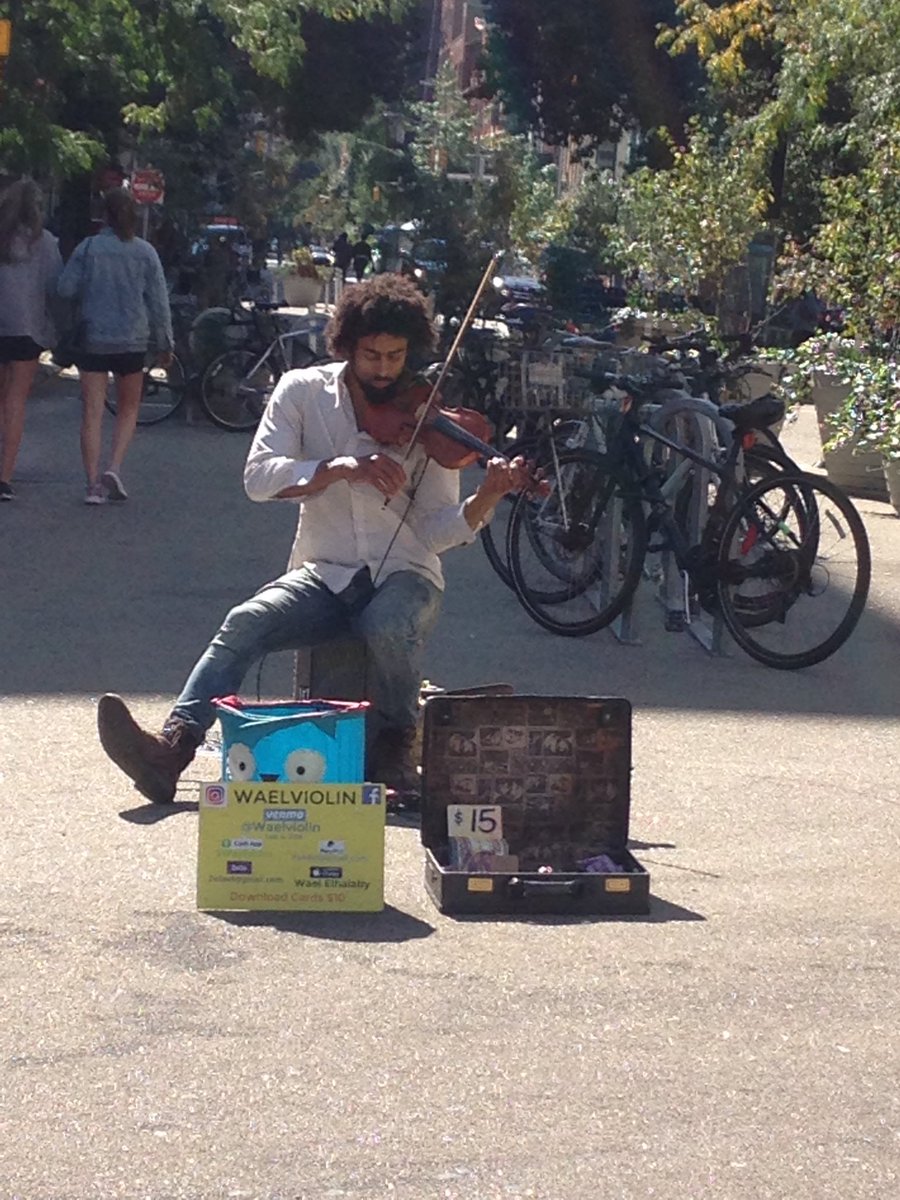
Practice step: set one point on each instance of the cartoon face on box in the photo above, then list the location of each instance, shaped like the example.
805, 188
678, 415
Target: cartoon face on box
291, 744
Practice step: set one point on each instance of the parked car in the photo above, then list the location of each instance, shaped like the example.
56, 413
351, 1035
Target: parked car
429, 262
515, 283
321, 257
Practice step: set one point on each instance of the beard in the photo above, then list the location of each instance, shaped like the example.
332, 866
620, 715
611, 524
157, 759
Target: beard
383, 394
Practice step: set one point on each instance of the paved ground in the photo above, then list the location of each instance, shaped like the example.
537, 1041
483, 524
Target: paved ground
741, 1041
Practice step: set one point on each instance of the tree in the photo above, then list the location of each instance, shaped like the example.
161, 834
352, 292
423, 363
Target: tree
584, 71
85, 78
691, 226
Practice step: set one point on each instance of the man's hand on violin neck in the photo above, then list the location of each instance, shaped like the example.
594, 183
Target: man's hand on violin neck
501, 477
378, 470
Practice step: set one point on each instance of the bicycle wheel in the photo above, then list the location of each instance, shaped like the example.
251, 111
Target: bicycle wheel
793, 570
493, 535
576, 555
234, 390
163, 393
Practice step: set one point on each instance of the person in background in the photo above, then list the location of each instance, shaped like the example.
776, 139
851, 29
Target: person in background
118, 281
30, 264
362, 257
343, 252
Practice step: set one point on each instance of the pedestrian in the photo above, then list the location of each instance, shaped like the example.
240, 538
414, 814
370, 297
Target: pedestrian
362, 257
30, 264
118, 282
343, 252
365, 558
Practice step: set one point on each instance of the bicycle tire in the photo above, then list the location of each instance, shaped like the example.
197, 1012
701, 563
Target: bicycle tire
590, 548
162, 394
493, 535
797, 537
229, 396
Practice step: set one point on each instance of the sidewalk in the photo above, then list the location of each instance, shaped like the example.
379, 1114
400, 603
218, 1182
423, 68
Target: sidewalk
739, 1043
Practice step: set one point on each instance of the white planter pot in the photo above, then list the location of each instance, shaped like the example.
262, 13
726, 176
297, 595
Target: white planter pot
300, 292
859, 474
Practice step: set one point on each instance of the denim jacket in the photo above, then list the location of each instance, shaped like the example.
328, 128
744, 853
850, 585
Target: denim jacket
121, 291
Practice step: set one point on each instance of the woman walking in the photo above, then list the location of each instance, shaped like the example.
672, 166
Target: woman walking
118, 281
30, 264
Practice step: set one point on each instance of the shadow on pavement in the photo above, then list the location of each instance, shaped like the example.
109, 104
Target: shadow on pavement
150, 814
661, 912
390, 925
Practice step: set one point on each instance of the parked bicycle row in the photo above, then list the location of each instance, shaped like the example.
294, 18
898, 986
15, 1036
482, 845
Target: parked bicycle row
777, 555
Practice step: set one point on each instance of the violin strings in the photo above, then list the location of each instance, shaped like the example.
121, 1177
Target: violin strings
414, 487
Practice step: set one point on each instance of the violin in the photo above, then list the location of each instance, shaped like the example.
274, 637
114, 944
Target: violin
453, 437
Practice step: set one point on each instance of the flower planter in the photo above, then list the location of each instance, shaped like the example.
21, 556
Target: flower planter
892, 480
299, 291
859, 474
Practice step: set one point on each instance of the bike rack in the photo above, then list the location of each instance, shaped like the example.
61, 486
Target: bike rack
701, 421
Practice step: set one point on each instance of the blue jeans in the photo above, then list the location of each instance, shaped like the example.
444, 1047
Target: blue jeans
297, 610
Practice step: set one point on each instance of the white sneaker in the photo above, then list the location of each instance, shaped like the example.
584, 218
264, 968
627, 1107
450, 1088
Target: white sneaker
95, 495
113, 484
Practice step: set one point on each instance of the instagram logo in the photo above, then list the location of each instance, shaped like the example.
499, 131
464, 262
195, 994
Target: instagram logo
215, 796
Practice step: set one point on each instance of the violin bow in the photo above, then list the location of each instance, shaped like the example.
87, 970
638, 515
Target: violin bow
451, 353
460, 334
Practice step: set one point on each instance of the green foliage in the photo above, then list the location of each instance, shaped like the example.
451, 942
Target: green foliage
584, 71
691, 225
858, 245
83, 77
444, 128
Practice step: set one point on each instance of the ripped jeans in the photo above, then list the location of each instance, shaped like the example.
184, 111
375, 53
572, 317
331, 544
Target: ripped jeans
393, 619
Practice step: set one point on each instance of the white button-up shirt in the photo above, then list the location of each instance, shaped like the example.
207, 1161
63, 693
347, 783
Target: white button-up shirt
310, 419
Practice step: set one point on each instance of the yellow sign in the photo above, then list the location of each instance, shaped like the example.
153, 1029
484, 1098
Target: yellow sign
292, 847
5, 38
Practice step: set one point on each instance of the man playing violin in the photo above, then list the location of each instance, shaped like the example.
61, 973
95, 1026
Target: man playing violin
374, 518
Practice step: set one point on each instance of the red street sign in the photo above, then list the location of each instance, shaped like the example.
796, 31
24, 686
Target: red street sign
148, 187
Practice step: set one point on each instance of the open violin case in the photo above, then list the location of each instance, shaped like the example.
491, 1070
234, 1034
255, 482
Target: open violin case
559, 770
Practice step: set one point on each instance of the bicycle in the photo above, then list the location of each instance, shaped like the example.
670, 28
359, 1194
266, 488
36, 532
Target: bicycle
163, 392
236, 386
767, 548
550, 431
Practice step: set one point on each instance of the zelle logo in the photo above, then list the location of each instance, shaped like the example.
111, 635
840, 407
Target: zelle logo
239, 868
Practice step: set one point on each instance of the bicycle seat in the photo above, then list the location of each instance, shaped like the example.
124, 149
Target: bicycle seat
757, 414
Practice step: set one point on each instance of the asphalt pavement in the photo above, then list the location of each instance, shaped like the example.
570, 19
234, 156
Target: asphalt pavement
740, 1041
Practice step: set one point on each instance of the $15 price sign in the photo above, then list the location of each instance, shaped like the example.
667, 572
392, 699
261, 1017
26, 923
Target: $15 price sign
475, 820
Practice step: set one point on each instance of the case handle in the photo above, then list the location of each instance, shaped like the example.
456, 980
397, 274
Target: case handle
544, 887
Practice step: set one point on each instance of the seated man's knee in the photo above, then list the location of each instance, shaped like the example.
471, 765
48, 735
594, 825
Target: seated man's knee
245, 626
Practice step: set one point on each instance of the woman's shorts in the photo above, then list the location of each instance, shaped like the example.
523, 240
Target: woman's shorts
118, 364
19, 349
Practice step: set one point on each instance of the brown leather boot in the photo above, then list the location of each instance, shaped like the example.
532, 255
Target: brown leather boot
392, 761
152, 761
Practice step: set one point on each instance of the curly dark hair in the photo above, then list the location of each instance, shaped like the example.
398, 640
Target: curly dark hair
385, 303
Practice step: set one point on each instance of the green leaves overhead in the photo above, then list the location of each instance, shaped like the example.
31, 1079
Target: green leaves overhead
81, 69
